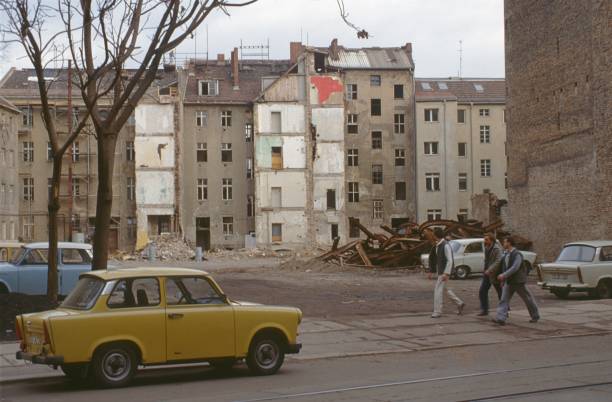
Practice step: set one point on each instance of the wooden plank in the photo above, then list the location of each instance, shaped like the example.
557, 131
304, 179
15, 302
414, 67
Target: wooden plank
362, 254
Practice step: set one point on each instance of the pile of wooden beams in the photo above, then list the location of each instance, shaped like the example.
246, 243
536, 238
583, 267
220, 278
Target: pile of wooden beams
403, 247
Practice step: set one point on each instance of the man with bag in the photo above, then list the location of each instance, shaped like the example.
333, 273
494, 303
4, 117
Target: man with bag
441, 262
514, 279
492, 260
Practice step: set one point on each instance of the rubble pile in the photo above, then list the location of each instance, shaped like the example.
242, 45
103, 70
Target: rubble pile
403, 248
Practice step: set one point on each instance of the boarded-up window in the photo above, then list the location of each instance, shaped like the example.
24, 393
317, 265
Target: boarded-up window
353, 228
277, 157
277, 232
331, 199
400, 190
275, 122
277, 198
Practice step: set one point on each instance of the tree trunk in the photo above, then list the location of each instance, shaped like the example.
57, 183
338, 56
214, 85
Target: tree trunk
104, 204
53, 207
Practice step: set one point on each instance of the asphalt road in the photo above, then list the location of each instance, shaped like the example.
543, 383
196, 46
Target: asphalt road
569, 369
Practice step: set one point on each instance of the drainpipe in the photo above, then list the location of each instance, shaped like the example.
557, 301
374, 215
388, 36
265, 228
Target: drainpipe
445, 165
473, 173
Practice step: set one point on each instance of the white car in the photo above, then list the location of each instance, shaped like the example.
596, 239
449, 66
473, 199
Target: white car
469, 257
584, 266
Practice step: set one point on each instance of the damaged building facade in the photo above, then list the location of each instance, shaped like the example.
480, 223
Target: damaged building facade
9, 175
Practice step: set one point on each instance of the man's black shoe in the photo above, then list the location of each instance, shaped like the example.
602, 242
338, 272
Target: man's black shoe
534, 320
498, 322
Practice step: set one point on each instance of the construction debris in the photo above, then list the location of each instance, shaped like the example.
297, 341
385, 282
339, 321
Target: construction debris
403, 247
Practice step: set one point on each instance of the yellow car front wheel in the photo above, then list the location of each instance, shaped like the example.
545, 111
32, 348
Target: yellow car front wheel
266, 355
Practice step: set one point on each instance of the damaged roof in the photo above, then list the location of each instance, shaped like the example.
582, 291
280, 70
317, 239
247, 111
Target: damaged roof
373, 58
477, 90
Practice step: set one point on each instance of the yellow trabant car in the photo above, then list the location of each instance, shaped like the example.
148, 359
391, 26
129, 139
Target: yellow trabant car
115, 321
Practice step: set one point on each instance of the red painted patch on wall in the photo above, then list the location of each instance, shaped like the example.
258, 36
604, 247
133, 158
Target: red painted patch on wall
326, 86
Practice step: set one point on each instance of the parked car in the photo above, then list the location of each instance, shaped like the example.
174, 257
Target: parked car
134, 317
584, 266
7, 249
469, 257
27, 270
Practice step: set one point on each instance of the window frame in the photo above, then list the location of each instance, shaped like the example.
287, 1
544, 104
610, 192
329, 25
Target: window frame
353, 191
352, 123
431, 145
378, 174
432, 182
432, 115
227, 189
400, 155
377, 141
202, 189
395, 91
352, 157
399, 123
375, 107
486, 168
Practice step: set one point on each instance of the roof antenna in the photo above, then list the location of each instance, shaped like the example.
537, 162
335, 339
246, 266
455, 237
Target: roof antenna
460, 58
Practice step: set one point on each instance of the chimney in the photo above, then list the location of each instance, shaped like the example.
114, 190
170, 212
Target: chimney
408, 48
235, 69
220, 59
295, 49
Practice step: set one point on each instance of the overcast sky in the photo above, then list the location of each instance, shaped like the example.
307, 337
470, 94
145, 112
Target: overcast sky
434, 27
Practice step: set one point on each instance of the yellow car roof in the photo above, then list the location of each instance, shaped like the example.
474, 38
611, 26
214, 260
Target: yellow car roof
143, 271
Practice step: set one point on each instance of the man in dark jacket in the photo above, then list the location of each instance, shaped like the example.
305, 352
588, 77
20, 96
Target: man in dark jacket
441, 262
493, 256
514, 278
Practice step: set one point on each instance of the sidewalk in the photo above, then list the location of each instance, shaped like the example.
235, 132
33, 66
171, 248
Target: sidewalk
404, 333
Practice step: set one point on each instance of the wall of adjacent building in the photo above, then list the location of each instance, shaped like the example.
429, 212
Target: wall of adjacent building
9, 177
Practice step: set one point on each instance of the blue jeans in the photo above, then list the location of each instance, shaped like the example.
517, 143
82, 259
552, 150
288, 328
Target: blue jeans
483, 293
504, 304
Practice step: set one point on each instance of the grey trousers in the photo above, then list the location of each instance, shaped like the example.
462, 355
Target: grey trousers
441, 286
524, 293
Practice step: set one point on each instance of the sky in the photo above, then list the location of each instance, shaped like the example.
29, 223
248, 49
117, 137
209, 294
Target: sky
434, 27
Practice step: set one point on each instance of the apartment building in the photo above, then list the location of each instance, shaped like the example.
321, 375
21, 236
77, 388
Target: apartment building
9, 176
461, 141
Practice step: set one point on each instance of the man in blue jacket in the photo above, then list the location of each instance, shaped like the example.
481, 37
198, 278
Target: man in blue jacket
514, 278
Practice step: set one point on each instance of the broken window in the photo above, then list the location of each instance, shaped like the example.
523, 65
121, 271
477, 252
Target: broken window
76, 187
28, 189
353, 157
485, 134
75, 151
248, 132
28, 151
131, 188
226, 118
353, 227
250, 205
377, 174
398, 91
462, 149
460, 115
208, 87
226, 152
201, 152
226, 189
277, 232
334, 230
400, 157
129, 151
431, 148
375, 80
432, 181
351, 91
202, 189
462, 216
351, 124
353, 191
462, 182
399, 126
249, 168
400, 190
484, 112
277, 197
376, 139
275, 122
431, 115
434, 214
375, 107
331, 199
228, 225
201, 118
277, 158
319, 59
377, 209
485, 167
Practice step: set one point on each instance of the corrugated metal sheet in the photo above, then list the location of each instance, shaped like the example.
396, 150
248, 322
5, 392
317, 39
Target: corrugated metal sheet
350, 59
372, 58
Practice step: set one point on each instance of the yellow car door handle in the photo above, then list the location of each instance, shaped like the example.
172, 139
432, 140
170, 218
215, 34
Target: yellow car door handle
175, 316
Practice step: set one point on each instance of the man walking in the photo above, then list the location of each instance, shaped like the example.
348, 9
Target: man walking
514, 278
441, 262
493, 256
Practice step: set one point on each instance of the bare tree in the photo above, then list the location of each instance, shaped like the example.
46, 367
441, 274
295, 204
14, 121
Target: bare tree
361, 33
100, 37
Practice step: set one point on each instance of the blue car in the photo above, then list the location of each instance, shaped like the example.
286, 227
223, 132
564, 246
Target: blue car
27, 271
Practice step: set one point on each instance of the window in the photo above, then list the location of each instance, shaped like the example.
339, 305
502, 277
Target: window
485, 134
375, 80
462, 149
228, 225
432, 181
398, 91
226, 118
248, 132
28, 151
208, 87
250, 205
131, 189
400, 157
277, 158
75, 255
442, 86
75, 222
194, 290
462, 216
484, 112
460, 115
129, 151
275, 122
485, 167
277, 197
353, 191
28, 189
75, 151
49, 152
399, 126
249, 168
202, 189
434, 214
354, 227
426, 86
577, 253
139, 292
377, 174
431, 115
376, 140
227, 189
201, 152
400, 190
331, 199
201, 118
377, 209
26, 116
76, 187
431, 148
351, 91
28, 227
277, 232
131, 228
478, 87
226, 152
352, 127
462, 181
353, 157
37, 256
334, 230
375, 107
